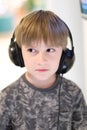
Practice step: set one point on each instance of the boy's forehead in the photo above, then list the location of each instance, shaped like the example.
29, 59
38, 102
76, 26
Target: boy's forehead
42, 43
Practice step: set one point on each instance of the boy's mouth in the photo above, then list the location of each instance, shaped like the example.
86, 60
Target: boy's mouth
41, 70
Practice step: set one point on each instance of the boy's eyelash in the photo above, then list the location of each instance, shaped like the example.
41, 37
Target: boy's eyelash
50, 50
31, 50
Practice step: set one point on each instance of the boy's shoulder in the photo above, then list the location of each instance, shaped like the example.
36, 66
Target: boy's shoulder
70, 86
12, 89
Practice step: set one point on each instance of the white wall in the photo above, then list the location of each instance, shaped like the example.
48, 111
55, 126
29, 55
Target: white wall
84, 25
69, 11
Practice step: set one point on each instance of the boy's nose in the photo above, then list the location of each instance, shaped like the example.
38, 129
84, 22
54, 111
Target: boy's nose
41, 58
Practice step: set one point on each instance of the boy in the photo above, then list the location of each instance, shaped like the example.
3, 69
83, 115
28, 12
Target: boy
41, 99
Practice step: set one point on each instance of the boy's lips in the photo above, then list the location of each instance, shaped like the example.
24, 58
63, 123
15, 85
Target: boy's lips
41, 70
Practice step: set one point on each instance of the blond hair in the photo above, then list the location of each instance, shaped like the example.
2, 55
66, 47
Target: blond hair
42, 25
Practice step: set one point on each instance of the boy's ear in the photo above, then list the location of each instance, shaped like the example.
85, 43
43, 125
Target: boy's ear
15, 53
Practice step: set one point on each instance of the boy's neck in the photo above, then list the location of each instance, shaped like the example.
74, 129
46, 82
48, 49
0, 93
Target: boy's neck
41, 83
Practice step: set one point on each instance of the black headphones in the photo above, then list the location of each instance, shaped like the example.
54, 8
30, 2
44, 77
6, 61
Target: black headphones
66, 62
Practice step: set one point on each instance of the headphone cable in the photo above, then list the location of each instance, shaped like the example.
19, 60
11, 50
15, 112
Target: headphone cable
58, 122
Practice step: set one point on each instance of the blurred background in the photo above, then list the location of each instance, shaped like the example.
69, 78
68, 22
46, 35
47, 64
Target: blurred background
73, 12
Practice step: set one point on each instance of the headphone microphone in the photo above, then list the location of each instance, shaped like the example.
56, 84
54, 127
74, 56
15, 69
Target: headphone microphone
66, 61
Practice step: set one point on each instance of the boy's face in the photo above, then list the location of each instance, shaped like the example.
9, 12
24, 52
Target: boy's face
41, 61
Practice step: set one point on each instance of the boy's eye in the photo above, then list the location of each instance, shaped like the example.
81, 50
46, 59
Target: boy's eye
50, 50
31, 50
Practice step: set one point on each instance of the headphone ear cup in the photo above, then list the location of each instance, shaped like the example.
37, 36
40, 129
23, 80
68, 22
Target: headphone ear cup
15, 54
66, 61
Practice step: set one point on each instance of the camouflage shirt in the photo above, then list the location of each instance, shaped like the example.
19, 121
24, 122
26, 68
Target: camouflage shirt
25, 107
